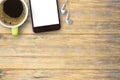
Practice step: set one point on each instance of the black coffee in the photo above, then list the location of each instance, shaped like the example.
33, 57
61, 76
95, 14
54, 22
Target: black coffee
13, 8
12, 12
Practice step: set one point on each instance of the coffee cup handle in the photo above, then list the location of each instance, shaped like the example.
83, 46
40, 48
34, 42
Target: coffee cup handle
15, 31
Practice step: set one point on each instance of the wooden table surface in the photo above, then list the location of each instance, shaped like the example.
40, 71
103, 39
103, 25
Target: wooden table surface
87, 50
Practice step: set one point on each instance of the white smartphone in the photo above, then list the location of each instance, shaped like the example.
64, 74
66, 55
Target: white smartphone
45, 15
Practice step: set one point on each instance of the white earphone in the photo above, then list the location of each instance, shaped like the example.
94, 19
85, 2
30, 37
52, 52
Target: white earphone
68, 20
67, 13
63, 10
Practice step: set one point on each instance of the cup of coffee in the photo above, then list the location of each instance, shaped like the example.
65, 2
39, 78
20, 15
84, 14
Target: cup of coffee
13, 13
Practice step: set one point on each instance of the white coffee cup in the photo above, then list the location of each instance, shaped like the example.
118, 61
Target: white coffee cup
15, 27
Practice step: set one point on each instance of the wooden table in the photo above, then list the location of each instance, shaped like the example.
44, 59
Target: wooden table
87, 50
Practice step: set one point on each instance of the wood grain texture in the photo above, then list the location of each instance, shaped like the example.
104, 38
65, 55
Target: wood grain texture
87, 50
60, 74
60, 45
60, 62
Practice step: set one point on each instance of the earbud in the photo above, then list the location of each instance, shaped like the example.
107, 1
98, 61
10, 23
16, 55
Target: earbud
63, 11
67, 13
68, 20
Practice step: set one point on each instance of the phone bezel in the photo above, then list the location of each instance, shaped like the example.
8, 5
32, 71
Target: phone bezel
46, 27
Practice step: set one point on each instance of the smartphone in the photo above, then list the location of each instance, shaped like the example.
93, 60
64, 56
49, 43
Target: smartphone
45, 15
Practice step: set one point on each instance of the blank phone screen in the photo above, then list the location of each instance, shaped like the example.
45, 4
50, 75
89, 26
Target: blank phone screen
44, 12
